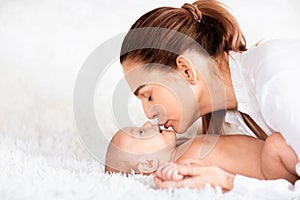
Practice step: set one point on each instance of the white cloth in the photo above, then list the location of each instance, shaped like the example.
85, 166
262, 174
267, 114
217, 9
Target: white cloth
268, 189
266, 81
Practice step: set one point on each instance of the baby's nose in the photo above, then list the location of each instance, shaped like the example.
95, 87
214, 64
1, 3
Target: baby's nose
147, 124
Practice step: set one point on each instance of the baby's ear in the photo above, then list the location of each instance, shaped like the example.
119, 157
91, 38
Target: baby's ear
148, 165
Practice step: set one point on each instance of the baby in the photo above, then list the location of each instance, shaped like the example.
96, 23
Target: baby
147, 149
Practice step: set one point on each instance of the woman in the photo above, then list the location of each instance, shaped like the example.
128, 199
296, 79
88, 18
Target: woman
254, 89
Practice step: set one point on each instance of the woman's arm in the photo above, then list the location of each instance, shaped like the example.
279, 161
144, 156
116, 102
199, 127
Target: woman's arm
277, 87
198, 176
279, 104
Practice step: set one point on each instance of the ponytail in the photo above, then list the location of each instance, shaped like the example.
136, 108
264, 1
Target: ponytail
207, 22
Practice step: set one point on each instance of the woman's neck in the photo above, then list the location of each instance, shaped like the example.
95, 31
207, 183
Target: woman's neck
231, 102
219, 92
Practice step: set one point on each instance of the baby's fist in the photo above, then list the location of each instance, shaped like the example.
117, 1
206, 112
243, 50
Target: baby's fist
169, 172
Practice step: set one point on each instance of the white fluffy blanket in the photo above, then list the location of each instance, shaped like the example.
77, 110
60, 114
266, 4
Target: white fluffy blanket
31, 170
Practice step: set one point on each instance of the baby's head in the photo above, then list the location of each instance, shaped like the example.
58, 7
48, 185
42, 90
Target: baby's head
142, 150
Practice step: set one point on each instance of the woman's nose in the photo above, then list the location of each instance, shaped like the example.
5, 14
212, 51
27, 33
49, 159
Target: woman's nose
150, 111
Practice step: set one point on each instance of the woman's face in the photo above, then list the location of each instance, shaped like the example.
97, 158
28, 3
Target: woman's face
159, 102
164, 95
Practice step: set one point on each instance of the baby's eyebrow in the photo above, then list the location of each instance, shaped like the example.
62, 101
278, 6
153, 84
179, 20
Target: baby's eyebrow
136, 92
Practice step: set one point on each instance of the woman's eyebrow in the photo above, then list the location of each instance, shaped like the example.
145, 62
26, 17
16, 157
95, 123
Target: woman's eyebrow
136, 92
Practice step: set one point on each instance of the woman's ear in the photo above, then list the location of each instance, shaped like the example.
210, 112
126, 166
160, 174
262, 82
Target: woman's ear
147, 165
185, 68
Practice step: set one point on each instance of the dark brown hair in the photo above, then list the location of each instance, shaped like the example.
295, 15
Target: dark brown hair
217, 32
207, 22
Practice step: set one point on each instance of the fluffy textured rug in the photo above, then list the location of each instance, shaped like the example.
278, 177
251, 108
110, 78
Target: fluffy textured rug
31, 170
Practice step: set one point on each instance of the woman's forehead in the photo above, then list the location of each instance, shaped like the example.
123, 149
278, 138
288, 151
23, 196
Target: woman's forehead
140, 76
129, 65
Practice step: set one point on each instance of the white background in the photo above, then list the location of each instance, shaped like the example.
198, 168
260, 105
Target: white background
43, 44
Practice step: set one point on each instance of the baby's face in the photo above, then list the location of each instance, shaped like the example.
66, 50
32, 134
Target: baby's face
144, 140
142, 150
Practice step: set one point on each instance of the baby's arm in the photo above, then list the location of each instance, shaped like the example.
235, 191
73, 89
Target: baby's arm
278, 159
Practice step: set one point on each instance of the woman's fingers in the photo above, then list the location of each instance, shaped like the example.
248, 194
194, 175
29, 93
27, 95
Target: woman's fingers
190, 170
192, 182
197, 177
167, 184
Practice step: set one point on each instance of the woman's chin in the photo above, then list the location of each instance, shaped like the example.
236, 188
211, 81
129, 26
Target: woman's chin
179, 129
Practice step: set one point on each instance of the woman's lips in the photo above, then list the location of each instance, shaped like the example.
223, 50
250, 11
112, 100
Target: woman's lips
166, 125
163, 126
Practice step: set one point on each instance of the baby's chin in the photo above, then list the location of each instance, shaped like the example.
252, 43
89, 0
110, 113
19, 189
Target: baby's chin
170, 135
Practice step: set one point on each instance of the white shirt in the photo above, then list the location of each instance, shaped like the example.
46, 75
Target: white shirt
266, 81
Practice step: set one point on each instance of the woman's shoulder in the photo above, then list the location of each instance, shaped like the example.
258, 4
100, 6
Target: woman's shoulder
265, 48
273, 47
272, 56
274, 44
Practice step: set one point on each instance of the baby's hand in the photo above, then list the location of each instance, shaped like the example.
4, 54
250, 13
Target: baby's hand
169, 172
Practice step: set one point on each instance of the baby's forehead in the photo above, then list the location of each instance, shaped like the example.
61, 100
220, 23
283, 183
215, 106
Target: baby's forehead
126, 131
123, 136
119, 134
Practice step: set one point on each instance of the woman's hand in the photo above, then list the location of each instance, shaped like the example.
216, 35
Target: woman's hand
192, 175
